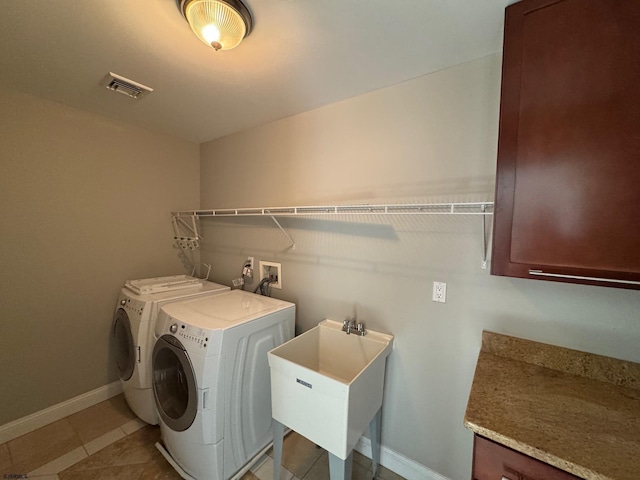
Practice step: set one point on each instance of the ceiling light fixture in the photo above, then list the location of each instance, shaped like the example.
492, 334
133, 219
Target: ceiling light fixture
221, 24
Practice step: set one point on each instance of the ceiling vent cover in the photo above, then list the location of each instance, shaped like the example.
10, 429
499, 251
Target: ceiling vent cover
120, 84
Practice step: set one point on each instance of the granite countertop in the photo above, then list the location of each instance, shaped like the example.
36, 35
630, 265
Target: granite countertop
577, 411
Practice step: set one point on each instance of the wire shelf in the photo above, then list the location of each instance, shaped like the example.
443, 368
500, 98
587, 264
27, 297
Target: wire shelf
187, 236
469, 208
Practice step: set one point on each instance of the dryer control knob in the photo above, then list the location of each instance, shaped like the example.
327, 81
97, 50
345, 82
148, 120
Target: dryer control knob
173, 328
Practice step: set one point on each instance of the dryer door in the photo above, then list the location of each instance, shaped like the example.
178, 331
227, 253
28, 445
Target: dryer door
123, 344
174, 384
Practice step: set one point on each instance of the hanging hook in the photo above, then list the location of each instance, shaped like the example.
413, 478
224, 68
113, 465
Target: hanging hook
192, 240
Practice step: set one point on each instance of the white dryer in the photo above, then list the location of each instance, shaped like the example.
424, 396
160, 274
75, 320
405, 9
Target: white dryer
133, 333
211, 380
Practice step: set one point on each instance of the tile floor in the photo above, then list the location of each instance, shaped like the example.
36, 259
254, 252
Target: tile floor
107, 441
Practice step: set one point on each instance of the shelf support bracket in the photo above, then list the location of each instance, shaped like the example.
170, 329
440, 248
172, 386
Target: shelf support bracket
485, 243
293, 244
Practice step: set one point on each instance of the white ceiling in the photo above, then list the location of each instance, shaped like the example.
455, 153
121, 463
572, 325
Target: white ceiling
302, 54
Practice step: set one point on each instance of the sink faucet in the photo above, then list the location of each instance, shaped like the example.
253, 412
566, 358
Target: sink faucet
350, 326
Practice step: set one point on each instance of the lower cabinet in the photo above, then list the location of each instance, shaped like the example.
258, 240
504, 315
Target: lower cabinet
492, 461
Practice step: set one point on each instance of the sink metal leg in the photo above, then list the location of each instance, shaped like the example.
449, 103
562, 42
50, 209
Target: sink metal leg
375, 436
278, 435
340, 469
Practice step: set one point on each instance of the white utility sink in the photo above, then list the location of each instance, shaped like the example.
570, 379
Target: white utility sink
327, 385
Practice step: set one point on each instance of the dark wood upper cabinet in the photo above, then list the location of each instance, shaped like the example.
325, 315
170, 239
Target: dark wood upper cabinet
568, 175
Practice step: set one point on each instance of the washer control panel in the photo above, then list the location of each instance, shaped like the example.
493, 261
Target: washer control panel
131, 306
188, 334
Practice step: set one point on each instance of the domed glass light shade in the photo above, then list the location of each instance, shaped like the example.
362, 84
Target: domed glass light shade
221, 24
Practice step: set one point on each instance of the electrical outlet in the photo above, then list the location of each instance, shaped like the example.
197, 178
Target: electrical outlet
271, 270
439, 292
250, 262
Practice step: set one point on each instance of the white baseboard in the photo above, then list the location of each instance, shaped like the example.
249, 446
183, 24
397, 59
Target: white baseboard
32, 422
398, 463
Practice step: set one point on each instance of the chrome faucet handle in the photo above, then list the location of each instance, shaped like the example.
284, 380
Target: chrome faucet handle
349, 326
360, 329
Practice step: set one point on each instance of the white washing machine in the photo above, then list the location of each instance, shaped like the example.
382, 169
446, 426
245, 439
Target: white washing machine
133, 332
211, 380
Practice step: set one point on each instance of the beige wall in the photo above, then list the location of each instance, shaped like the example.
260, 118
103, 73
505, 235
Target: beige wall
431, 138
84, 203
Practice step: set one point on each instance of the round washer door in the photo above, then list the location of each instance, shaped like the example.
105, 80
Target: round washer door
174, 384
123, 344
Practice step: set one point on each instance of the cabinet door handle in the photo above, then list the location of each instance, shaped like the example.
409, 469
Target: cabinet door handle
540, 273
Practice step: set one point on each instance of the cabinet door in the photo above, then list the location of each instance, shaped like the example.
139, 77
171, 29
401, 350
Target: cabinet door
568, 175
492, 461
